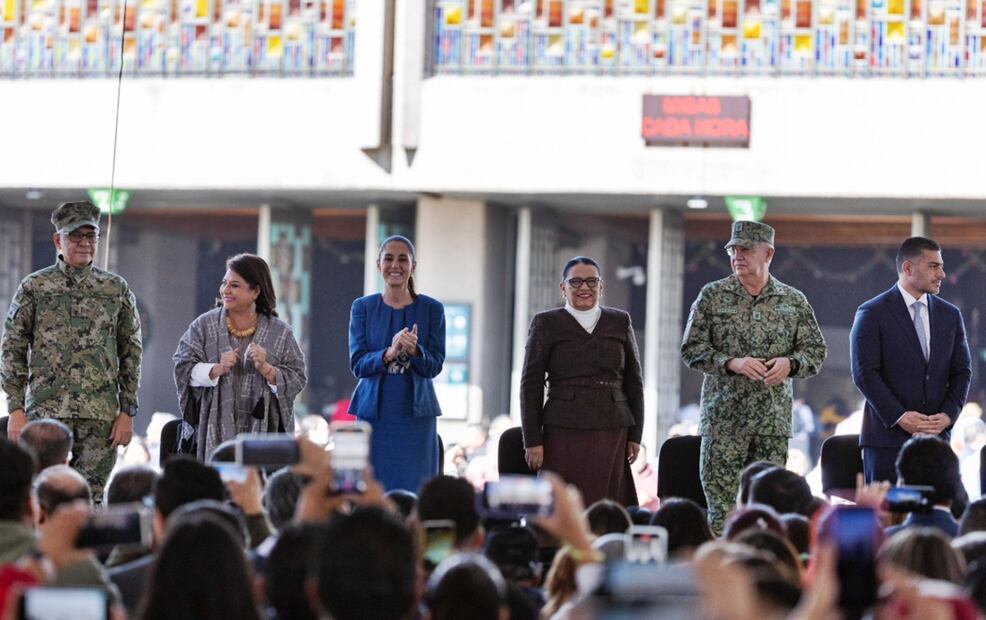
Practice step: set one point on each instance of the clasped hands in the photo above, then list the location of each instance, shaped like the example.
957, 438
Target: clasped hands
770, 372
404, 341
918, 423
254, 352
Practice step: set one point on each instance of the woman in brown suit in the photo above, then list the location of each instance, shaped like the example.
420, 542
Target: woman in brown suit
589, 429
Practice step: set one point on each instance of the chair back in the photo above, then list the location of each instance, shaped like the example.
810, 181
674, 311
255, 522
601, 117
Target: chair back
510, 453
169, 441
677, 469
982, 470
3, 426
841, 460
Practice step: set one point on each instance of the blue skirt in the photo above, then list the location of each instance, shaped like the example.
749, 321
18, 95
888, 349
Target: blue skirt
404, 451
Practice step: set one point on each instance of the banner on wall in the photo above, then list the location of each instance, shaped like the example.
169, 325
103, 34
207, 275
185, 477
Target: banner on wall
675, 120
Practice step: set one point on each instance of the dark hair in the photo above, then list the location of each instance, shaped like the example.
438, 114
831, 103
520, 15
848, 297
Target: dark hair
912, 249
50, 440
607, 517
514, 551
927, 460
773, 543
200, 572
753, 516
287, 566
798, 532
131, 484
747, 475
975, 584
411, 250
281, 496
406, 501
972, 546
466, 586
974, 517
924, 551
579, 260
639, 516
364, 565
16, 471
782, 490
58, 485
255, 271
686, 523
184, 480
445, 497
227, 513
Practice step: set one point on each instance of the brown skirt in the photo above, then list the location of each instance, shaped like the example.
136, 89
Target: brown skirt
595, 461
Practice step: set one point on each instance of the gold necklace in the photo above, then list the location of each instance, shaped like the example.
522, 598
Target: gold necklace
239, 333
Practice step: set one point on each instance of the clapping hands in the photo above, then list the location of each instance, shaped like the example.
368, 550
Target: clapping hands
404, 341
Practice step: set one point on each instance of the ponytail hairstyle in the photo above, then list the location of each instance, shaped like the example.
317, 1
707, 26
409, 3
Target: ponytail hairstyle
410, 248
255, 271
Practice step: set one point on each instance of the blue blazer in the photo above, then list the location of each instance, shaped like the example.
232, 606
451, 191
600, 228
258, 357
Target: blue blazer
369, 337
889, 369
937, 518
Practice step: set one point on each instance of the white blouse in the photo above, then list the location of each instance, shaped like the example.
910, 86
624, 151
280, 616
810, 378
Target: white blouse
586, 318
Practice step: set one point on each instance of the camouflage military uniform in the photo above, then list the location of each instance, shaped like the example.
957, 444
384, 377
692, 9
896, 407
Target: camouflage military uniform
743, 420
71, 350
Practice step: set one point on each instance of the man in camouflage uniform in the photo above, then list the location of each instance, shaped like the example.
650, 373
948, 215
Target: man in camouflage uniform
71, 347
750, 334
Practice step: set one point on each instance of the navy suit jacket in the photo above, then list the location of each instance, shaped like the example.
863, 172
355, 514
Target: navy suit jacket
369, 337
937, 518
889, 369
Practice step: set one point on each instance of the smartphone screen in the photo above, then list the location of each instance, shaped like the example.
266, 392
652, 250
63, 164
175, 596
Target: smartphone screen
127, 525
855, 527
350, 455
512, 497
266, 449
646, 544
230, 472
439, 540
910, 499
64, 604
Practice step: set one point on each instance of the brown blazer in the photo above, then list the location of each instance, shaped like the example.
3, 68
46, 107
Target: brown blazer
594, 380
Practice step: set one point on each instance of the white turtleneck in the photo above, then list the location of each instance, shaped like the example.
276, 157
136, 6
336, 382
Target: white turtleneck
586, 318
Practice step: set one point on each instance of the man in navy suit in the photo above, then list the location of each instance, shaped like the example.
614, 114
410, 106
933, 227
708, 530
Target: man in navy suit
910, 359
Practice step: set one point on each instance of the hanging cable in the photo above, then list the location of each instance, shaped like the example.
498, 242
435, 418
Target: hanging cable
116, 132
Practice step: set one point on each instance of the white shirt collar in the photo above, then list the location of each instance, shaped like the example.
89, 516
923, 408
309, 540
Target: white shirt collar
909, 299
586, 318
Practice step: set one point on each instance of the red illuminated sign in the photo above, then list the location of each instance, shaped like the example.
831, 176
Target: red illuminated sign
672, 120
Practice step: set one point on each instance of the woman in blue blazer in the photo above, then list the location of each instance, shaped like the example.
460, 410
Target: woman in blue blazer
396, 348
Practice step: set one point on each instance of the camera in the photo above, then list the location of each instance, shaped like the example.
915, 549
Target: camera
267, 449
44, 603
910, 499
350, 455
513, 497
127, 525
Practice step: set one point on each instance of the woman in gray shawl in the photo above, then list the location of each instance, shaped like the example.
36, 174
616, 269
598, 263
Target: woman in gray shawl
238, 367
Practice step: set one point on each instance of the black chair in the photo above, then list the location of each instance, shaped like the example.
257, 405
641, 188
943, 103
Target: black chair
169, 441
510, 453
841, 460
225, 452
677, 469
441, 455
3, 426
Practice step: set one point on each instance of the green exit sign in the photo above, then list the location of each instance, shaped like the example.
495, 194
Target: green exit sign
112, 201
747, 208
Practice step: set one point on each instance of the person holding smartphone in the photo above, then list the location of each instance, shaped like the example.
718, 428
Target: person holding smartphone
238, 368
396, 349
589, 429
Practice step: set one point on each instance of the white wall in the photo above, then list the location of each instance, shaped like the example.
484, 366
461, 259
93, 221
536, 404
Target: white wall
810, 137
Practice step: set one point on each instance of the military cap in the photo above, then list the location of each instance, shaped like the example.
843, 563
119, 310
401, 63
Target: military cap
747, 234
71, 215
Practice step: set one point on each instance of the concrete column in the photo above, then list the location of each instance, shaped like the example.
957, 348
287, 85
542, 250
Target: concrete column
461, 245
289, 244
662, 338
920, 224
522, 302
371, 279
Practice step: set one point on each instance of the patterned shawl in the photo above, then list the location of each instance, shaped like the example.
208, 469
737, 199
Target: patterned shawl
204, 341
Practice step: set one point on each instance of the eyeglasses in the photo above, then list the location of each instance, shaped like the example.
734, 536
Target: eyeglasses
79, 237
578, 282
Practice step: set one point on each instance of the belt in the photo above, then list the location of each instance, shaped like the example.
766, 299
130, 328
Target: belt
599, 384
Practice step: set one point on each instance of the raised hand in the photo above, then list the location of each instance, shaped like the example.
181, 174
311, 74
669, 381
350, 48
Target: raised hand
256, 354
226, 362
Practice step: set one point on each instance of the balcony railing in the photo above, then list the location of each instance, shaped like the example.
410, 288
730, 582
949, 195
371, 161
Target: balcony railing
90, 38
914, 38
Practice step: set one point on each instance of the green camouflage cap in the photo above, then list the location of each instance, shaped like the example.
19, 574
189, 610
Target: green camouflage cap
71, 215
748, 234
